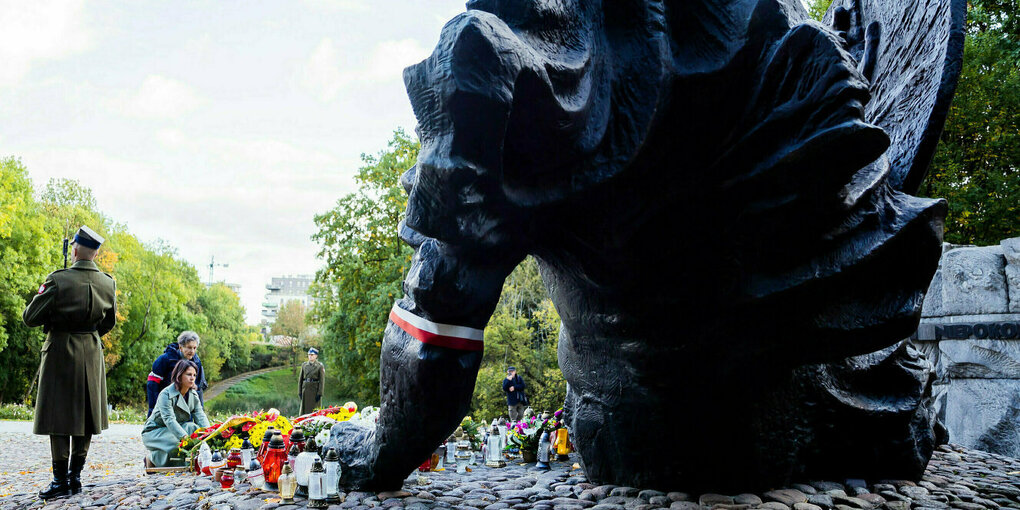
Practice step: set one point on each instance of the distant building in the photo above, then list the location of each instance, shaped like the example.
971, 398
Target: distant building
283, 289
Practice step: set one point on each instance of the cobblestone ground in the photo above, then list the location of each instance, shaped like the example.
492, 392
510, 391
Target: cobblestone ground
957, 478
25, 466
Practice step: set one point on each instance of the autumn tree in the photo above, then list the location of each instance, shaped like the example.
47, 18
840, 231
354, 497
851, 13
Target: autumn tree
365, 261
977, 164
290, 326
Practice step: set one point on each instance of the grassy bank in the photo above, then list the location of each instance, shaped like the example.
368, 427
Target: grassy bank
27, 413
277, 389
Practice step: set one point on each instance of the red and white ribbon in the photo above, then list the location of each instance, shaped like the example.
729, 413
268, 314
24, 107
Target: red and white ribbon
434, 333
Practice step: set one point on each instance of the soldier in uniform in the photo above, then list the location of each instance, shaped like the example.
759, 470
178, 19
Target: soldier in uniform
75, 307
313, 374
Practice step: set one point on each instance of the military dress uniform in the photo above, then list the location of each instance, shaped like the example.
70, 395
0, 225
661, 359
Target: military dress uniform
75, 306
313, 375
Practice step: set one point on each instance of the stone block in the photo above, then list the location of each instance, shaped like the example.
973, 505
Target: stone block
932, 305
1011, 252
974, 281
982, 414
980, 359
1013, 287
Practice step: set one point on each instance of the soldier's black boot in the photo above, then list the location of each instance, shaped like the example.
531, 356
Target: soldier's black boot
74, 474
58, 487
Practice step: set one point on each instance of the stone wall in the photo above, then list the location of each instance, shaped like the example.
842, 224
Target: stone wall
970, 331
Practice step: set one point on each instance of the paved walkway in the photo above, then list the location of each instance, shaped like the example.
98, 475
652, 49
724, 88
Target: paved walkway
956, 478
225, 384
115, 454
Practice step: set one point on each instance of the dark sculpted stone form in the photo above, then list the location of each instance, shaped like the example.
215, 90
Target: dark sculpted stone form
716, 193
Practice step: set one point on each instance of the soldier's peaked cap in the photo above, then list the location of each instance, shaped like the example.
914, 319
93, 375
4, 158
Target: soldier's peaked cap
88, 238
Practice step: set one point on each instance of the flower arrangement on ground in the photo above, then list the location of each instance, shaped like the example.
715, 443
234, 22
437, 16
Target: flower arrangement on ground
524, 435
232, 432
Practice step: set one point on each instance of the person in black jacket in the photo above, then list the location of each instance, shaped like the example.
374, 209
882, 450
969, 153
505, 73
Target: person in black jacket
514, 386
186, 347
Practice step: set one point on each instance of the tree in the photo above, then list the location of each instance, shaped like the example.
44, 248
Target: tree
523, 332
290, 324
365, 261
977, 164
29, 250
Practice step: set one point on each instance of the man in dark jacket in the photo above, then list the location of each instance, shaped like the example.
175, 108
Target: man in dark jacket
513, 386
186, 347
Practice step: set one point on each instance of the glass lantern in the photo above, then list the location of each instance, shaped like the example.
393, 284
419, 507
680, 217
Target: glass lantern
332, 466
297, 437
264, 447
227, 478
275, 459
288, 484
247, 452
543, 451
303, 466
234, 458
217, 461
255, 475
317, 485
205, 459
293, 455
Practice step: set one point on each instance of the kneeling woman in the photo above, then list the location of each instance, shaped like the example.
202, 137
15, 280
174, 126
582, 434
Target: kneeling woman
177, 414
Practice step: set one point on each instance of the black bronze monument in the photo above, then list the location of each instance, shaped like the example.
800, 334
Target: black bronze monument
718, 195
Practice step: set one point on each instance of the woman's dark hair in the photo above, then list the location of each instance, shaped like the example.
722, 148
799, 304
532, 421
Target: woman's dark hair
178, 373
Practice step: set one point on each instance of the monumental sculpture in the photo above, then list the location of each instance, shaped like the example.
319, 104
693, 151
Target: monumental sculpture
718, 197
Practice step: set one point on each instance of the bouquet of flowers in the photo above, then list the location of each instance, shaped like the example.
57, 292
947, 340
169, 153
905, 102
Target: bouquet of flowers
473, 431
526, 437
232, 432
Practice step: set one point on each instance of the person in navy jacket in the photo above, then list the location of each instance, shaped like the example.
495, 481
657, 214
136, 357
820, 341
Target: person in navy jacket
514, 386
186, 347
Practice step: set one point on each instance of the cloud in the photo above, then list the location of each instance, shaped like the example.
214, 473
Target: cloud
325, 74
159, 97
38, 30
320, 72
341, 5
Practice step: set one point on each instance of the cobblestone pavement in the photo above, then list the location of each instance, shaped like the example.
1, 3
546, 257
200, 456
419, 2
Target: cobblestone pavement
25, 466
957, 478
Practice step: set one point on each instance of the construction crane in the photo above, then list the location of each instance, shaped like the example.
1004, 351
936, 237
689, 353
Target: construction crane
212, 266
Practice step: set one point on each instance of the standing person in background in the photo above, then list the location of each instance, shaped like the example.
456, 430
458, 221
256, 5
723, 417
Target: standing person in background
186, 347
313, 375
75, 307
513, 386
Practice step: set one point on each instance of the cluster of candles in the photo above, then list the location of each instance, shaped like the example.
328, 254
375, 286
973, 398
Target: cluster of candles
301, 473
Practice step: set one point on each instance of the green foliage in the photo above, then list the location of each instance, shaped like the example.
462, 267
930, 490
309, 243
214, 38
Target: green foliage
29, 250
817, 9
158, 294
977, 165
365, 262
522, 332
278, 389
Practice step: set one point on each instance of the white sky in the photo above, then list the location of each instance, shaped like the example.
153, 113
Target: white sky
219, 126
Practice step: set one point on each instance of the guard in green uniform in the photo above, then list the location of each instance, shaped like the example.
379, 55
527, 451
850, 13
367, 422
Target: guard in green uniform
75, 307
313, 374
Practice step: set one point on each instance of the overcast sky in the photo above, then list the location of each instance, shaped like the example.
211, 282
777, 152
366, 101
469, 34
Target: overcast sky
219, 126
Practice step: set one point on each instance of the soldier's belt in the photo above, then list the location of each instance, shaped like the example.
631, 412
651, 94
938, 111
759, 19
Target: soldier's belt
311, 380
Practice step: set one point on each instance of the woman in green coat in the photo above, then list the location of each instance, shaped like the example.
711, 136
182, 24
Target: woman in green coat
178, 413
